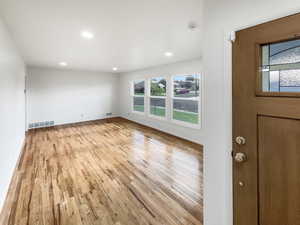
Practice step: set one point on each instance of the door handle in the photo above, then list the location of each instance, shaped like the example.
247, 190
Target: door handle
240, 157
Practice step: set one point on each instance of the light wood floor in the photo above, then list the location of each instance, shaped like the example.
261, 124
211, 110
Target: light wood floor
106, 172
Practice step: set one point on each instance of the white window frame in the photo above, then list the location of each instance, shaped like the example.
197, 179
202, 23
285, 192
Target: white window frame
149, 96
134, 95
172, 98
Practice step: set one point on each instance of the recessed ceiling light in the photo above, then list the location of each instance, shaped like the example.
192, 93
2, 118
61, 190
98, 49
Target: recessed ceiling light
87, 35
115, 69
169, 54
63, 64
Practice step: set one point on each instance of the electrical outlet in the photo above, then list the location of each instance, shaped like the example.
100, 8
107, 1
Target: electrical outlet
109, 114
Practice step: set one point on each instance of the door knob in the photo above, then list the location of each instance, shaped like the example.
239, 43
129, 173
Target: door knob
240, 140
240, 157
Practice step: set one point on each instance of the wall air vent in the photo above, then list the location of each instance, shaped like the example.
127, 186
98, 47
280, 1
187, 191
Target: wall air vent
41, 124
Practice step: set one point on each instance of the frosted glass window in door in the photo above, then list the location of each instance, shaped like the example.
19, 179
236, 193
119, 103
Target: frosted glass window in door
280, 66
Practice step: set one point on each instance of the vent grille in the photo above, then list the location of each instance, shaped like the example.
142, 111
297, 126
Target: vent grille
41, 124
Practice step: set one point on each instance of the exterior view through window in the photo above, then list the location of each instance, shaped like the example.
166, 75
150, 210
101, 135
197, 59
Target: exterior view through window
181, 104
158, 92
139, 96
186, 97
281, 66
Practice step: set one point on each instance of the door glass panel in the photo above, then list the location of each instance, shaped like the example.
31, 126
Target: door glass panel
274, 81
280, 66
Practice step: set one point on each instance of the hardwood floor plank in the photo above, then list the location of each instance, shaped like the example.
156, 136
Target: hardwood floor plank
112, 172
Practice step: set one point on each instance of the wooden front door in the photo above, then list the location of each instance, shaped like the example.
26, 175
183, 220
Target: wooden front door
266, 123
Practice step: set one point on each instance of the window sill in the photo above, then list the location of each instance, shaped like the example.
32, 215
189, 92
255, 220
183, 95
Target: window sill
187, 125
172, 121
139, 113
164, 118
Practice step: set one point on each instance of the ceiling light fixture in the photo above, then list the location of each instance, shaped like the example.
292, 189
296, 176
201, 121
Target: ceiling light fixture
63, 64
87, 35
115, 69
169, 54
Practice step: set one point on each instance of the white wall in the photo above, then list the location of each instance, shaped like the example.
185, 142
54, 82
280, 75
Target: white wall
221, 17
67, 96
193, 66
12, 109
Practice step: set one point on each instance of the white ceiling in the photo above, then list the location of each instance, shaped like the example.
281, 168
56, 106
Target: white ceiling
129, 34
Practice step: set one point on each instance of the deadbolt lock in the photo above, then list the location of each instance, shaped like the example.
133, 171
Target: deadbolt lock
240, 140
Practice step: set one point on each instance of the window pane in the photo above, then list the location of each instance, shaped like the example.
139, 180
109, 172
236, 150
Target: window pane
139, 87
186, 110
158, 107
138, 104
158, 86
281, 67
186, 86
274, 81
289, 80
285, 52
